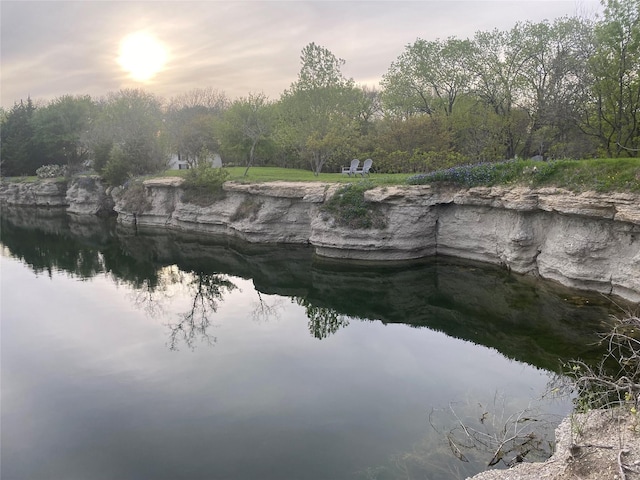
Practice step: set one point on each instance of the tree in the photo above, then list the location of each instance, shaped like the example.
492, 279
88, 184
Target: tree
318, 114
192, 134
498, 59
612, 114
320, 69
61, 130
19, 154
207, 290
428, 77
246, 123
131, 121
477, 130
323, 321
552, 76
191, 120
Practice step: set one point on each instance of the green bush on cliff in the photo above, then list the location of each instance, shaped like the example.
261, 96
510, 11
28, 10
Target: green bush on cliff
350, 209
118, 169
203, 184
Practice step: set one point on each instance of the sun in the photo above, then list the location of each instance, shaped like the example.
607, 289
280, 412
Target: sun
142, 55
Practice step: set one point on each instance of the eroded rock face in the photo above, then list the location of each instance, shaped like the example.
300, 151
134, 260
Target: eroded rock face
44, 193
588, 240
87, 195
263, 213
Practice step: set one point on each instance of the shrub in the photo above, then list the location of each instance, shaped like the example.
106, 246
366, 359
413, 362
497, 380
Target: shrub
616, 380
51, 171
489, 174
349, 208
601, 175
203, 185
117, 170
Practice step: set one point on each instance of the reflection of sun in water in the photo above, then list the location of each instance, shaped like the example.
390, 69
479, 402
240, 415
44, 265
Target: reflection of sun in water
142, 55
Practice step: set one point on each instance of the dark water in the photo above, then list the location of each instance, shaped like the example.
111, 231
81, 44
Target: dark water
147, 355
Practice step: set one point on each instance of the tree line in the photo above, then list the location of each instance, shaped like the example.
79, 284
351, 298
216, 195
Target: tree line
563, 89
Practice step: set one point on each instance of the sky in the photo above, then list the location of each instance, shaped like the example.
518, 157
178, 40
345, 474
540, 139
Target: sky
54, 48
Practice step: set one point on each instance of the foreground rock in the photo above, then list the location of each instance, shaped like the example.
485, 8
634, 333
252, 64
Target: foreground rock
601, 445
588, 240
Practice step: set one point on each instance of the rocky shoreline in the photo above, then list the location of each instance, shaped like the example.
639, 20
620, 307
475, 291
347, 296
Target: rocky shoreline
587, 241
598, 445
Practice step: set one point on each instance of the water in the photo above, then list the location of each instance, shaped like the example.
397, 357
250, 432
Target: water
147, 355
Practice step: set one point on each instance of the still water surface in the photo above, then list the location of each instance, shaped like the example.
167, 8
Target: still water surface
133, 355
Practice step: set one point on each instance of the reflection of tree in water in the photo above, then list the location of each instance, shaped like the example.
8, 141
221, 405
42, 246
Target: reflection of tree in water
264, 311
323, 321
207, 290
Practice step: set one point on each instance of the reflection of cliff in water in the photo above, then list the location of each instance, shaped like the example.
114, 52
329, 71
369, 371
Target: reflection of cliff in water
523, 318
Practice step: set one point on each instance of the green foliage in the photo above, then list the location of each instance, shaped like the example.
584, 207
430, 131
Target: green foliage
403, 146
246, 125
19, 149
118, 168
60, 130
399, 161
101, 152
203, 184
132, 121
428, 77
350, 209
562, 89
320, 69
615, 85
318, 116
192, 132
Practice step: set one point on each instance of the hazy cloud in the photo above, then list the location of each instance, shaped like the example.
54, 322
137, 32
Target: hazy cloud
52, 48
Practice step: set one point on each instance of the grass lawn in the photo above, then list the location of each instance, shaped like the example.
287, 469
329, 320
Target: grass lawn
29, 179
275, 174
600, 175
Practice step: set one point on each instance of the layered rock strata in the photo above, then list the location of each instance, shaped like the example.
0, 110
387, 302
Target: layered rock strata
44, 193
586, 240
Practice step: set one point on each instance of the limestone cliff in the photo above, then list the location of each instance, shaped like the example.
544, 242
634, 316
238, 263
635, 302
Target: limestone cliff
45, 193
84, 195
87, 195
588, 240
583, 240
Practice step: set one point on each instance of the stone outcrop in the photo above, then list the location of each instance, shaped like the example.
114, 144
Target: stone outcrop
45, 193
82, 195
259, 213
582, 240
88, 195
